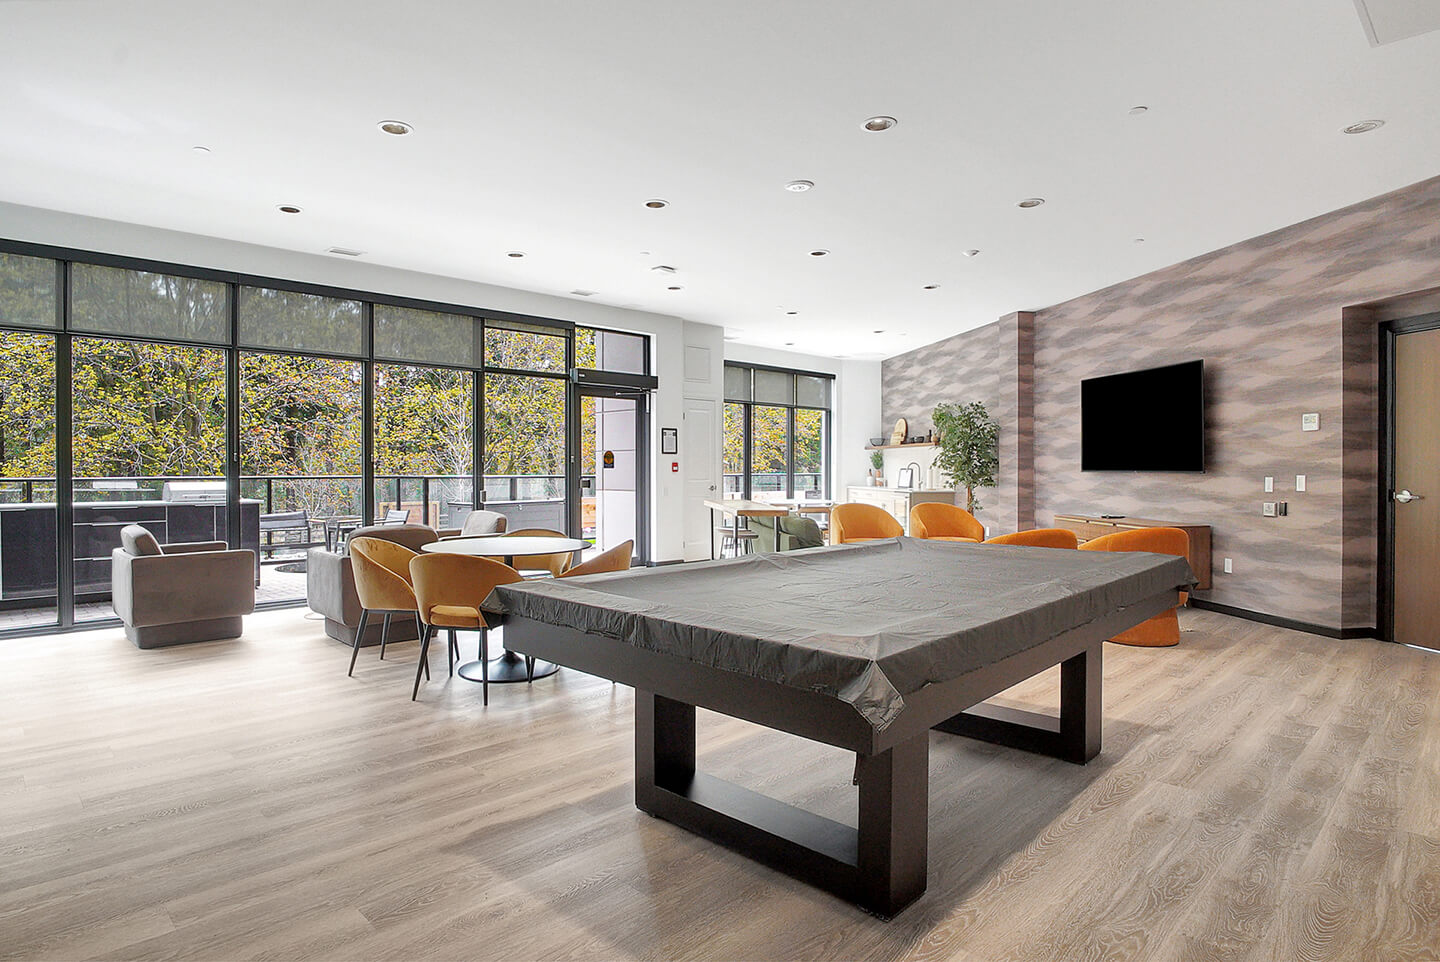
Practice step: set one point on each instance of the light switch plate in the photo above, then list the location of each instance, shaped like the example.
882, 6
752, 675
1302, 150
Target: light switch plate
1269, 484
1299, 482
1267, 509
1229, 568
1310, 422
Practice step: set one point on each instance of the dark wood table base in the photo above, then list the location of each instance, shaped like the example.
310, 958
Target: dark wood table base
882, 865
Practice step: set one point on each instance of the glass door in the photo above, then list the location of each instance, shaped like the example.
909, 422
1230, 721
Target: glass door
611, 496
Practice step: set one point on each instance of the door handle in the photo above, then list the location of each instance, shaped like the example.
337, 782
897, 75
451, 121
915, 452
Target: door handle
1405, 497
712, 487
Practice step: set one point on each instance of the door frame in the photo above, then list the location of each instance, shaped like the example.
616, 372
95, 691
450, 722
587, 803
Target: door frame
1385, 516
641, 397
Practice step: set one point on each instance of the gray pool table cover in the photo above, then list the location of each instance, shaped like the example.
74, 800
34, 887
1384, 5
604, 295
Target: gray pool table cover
867, 623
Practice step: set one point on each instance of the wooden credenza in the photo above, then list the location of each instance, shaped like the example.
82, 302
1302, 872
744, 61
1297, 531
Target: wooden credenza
897, 501
1087, 527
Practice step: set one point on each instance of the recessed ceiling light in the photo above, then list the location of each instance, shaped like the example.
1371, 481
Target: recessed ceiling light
792, 313
880, 123
1138, 109
288, 209
1364, 127
663, 268
675, 288
931, 287
344, 251
789, 343
202, 151
731, 337
582, 293
819, 253
972, 252
1030, 202
398, 128
880, 331
657, 203
514, 253
1139, 240
799, 186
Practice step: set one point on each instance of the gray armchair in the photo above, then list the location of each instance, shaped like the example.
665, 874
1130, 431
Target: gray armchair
330, 585
478, 523
180, 593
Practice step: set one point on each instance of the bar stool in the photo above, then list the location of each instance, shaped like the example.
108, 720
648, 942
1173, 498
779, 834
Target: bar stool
734, 537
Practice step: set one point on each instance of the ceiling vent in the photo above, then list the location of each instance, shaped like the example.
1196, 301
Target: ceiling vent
344, 252
1386, 21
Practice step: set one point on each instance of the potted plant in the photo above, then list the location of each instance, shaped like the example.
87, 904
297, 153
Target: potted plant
969, 451
877, 465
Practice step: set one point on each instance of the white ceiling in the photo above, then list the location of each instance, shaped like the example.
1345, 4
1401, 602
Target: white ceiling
543, 126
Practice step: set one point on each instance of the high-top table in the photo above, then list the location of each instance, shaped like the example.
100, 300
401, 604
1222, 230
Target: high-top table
508, 666
741, 508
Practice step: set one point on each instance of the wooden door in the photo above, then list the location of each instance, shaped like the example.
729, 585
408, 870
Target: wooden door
1417, 489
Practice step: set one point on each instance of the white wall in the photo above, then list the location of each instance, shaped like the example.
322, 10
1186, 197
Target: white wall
669, 333
856, 405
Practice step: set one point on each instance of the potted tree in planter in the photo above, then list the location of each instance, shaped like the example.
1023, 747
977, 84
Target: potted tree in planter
969, 449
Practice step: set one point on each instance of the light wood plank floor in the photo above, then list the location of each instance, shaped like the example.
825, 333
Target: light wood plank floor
1263, 794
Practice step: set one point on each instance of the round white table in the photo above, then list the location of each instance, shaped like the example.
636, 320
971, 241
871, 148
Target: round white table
508, 666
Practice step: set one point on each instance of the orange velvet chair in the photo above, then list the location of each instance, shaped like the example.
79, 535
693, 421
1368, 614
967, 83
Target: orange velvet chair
852, 523
616, 559
382, 583
1039, 538
1163, 630
449, 589
938, 521
553, 563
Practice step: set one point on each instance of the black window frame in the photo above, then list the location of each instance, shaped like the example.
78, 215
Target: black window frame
747, 421
64, 333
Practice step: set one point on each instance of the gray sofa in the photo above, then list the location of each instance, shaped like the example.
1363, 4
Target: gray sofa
179, 593
795, 534
330, 585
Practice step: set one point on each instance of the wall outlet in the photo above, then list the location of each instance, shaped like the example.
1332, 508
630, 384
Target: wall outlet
1310, 422
1282, 508
1267, 509
1229, 568
1299, 482
1269, 484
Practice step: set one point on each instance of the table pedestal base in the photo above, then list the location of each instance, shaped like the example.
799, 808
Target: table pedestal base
507, 668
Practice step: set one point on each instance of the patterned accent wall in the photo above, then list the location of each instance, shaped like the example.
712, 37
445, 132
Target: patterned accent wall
1269, 317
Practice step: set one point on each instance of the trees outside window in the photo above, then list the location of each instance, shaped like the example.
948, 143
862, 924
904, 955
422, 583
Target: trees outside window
776, 433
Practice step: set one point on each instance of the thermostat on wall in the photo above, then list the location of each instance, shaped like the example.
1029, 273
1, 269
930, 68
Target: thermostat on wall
1310, 422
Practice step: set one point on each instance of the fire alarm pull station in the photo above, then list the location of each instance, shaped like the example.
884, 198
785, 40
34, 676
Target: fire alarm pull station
674, 467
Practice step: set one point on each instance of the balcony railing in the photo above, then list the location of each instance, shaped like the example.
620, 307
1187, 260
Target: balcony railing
772, 482
444, 501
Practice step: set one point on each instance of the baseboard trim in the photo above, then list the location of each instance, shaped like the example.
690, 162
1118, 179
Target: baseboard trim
1326, 631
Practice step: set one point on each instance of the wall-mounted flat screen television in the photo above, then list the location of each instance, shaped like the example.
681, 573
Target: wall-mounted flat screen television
1151, 420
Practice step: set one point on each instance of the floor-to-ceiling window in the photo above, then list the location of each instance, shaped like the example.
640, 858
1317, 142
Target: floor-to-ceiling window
267, 414
526, 410
28, 539
424, 415
776, 435
148, 416
301, 425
